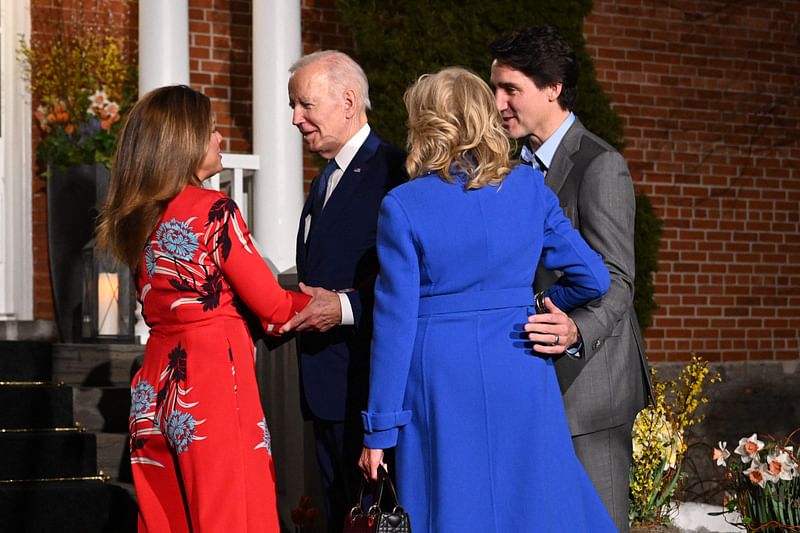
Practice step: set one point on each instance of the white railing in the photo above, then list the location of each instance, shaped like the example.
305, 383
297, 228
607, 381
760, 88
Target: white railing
236, 180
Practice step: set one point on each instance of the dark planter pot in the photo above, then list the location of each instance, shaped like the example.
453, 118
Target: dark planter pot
72, 199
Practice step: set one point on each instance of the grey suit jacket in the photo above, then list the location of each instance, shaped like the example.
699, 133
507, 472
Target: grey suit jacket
610, 384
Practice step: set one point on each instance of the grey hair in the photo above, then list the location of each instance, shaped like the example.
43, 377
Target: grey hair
341, 70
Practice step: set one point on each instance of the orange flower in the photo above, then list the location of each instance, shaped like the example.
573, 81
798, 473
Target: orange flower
751, 448
69, 128
756, 476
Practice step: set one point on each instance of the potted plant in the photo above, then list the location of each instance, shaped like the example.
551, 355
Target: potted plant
763, 482
82, 84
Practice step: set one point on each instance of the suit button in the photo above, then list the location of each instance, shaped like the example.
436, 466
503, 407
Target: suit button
596, 344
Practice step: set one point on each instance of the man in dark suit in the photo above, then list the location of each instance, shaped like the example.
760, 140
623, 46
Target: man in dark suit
600, 358
336, 255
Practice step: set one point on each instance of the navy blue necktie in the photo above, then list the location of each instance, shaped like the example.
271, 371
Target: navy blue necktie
540, 164
322, 187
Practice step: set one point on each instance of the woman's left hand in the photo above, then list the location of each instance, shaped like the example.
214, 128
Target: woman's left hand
370, 459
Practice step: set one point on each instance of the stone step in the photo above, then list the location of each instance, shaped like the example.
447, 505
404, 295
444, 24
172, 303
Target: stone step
35, 406
113, 456
25, 361
65, 506
96, 365
46, 454
102, 409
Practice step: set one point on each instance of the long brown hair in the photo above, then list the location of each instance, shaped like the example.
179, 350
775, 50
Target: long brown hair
454, 125
161, 145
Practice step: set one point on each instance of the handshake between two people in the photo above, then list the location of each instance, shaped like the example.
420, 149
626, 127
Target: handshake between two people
551, 332
323, 312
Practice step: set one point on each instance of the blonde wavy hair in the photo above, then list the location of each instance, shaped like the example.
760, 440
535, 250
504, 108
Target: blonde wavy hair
453, 127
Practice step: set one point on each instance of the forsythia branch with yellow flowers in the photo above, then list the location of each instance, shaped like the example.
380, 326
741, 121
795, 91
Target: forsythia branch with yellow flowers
659, 443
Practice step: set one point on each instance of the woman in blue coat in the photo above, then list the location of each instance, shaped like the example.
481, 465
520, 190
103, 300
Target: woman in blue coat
474, 412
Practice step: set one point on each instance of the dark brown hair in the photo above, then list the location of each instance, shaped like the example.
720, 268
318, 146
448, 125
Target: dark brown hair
163, 142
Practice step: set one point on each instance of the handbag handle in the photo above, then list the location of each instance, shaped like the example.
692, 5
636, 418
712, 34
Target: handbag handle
385, 481
358, 508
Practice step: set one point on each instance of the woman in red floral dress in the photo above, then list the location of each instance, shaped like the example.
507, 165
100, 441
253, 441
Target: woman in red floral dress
200, 444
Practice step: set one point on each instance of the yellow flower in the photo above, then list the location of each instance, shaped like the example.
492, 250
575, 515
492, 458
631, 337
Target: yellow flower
658, 440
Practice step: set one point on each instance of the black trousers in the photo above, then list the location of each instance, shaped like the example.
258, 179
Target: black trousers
338, 448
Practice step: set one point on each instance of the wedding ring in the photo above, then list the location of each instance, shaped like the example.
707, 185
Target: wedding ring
555, 342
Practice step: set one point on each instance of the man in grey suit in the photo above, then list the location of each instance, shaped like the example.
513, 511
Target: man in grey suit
598, 349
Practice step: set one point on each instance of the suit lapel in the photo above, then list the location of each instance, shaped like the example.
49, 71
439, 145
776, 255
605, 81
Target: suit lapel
354, 175
563, 159
302, 242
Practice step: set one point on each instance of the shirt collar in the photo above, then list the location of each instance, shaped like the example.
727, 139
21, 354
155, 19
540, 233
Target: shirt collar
351, 147
547, 150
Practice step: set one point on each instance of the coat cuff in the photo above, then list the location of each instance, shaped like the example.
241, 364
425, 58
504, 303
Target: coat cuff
382, 421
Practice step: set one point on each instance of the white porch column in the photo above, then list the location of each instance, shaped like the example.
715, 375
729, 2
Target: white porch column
16, 229
279, 183
163, 43
163, 60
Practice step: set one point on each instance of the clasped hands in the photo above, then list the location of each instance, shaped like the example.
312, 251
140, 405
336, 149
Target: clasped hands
323, 312
552, 332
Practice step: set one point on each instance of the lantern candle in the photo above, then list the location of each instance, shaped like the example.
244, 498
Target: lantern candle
108, 303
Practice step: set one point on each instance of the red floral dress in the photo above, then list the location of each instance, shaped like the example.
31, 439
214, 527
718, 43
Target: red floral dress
200, 445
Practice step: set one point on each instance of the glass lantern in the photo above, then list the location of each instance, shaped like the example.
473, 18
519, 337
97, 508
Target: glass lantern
108, 298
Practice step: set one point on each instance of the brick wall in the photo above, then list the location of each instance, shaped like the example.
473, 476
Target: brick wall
220, 65
709, 93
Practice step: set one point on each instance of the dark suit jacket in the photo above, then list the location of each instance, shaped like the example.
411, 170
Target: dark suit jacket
610, 384
339, 254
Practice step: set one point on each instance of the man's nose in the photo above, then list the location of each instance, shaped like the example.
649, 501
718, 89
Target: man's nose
297, 116
500, 100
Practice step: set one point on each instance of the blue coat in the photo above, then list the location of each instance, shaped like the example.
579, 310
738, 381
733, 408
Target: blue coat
339, 254
476, 415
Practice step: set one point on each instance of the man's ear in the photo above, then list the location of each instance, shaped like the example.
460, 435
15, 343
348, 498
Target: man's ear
350, 107
554, 91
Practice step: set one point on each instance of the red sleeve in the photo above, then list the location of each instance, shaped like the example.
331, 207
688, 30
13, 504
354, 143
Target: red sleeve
230, 247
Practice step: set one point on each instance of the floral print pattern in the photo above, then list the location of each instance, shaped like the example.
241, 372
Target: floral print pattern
182, 265
170, 416
171, 252
176, 238
267, 442
150, 260
142, 397
179, 430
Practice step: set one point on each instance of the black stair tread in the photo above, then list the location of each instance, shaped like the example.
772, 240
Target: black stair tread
26, 361
47, 454
79, 506
35, 406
